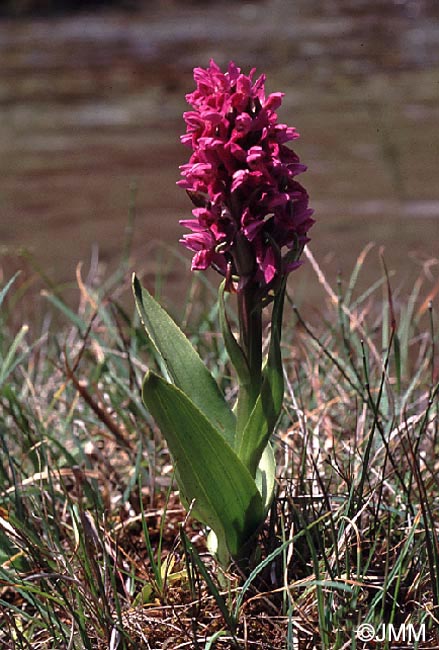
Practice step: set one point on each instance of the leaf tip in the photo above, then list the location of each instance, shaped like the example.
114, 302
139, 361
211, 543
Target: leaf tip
151, 380
135, 283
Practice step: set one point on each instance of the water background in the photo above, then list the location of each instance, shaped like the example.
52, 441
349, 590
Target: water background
91, 103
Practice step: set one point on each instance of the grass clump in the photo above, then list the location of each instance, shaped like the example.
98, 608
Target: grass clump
95, 548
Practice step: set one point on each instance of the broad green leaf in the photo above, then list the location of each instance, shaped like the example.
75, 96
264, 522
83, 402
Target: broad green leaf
265, 482
184, 365
266, 411
226, 497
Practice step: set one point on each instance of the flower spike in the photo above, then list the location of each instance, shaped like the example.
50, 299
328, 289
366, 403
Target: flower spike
250, 211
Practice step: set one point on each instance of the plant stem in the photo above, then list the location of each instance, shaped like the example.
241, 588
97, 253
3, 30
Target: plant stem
250, 326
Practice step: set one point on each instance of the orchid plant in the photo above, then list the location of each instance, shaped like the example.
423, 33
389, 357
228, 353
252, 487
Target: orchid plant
250, 223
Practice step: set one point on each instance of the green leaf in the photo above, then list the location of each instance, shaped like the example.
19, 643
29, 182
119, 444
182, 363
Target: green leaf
145, 596
7, 286
397, 352
234, 350
184, 365
226, 497
10, 555
266, 411
266, 477
13, 358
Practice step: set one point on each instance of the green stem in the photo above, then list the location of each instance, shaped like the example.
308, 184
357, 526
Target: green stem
250, 326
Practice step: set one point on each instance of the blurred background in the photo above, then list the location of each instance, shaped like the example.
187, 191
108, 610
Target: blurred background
91, 103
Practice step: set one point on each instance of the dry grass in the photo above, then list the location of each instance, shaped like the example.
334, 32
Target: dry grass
95, 548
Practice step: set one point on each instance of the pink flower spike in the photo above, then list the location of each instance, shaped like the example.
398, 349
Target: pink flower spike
241, 178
